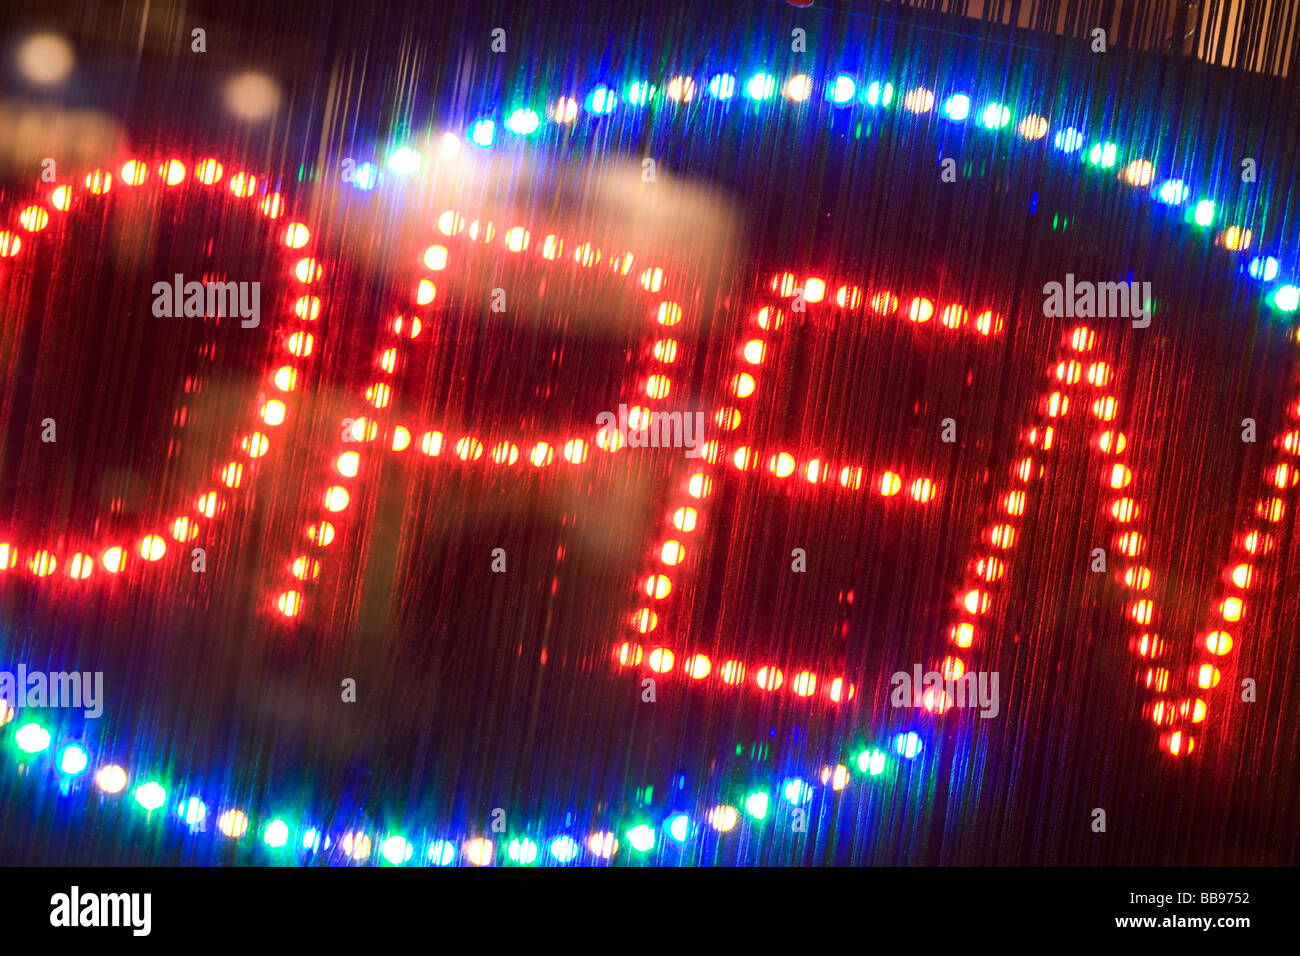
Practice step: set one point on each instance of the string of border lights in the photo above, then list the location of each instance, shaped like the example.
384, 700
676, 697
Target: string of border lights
33, 740
843, 91
69, 766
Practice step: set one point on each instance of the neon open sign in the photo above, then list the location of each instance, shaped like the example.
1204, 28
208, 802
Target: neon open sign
1187, 675
1181, 673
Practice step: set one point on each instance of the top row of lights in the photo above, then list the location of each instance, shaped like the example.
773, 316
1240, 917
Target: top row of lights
842, 90
602, 100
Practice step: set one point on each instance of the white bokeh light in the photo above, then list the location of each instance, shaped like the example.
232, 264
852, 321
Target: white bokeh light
45, 59
252, 96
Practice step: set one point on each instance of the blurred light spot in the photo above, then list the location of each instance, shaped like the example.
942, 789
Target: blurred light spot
366, 176
797, 792
642, 838
396, 850
566, 110
1139, 173
1235, 238
208, 171
1263, 268
150, 795
639, 94
1173, 192
172, 171
242, 185
919, 100
111, 779
134, 172
276, 834
523, 122
995, 116
1032, 127
233, 824
723, 818
957, 107
45, 59
252, 96
835, 777
909, 745
1103, 155
73, 760
483, 133
841, 90
1068, 140
722, 86
761, 86
1287, 298
680, 89
602, 100
32, 738
604, 845
880, 94
872, 762
441, 852
404, 161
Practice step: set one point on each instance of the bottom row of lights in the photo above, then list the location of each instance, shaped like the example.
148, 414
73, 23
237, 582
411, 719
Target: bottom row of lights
73, 760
